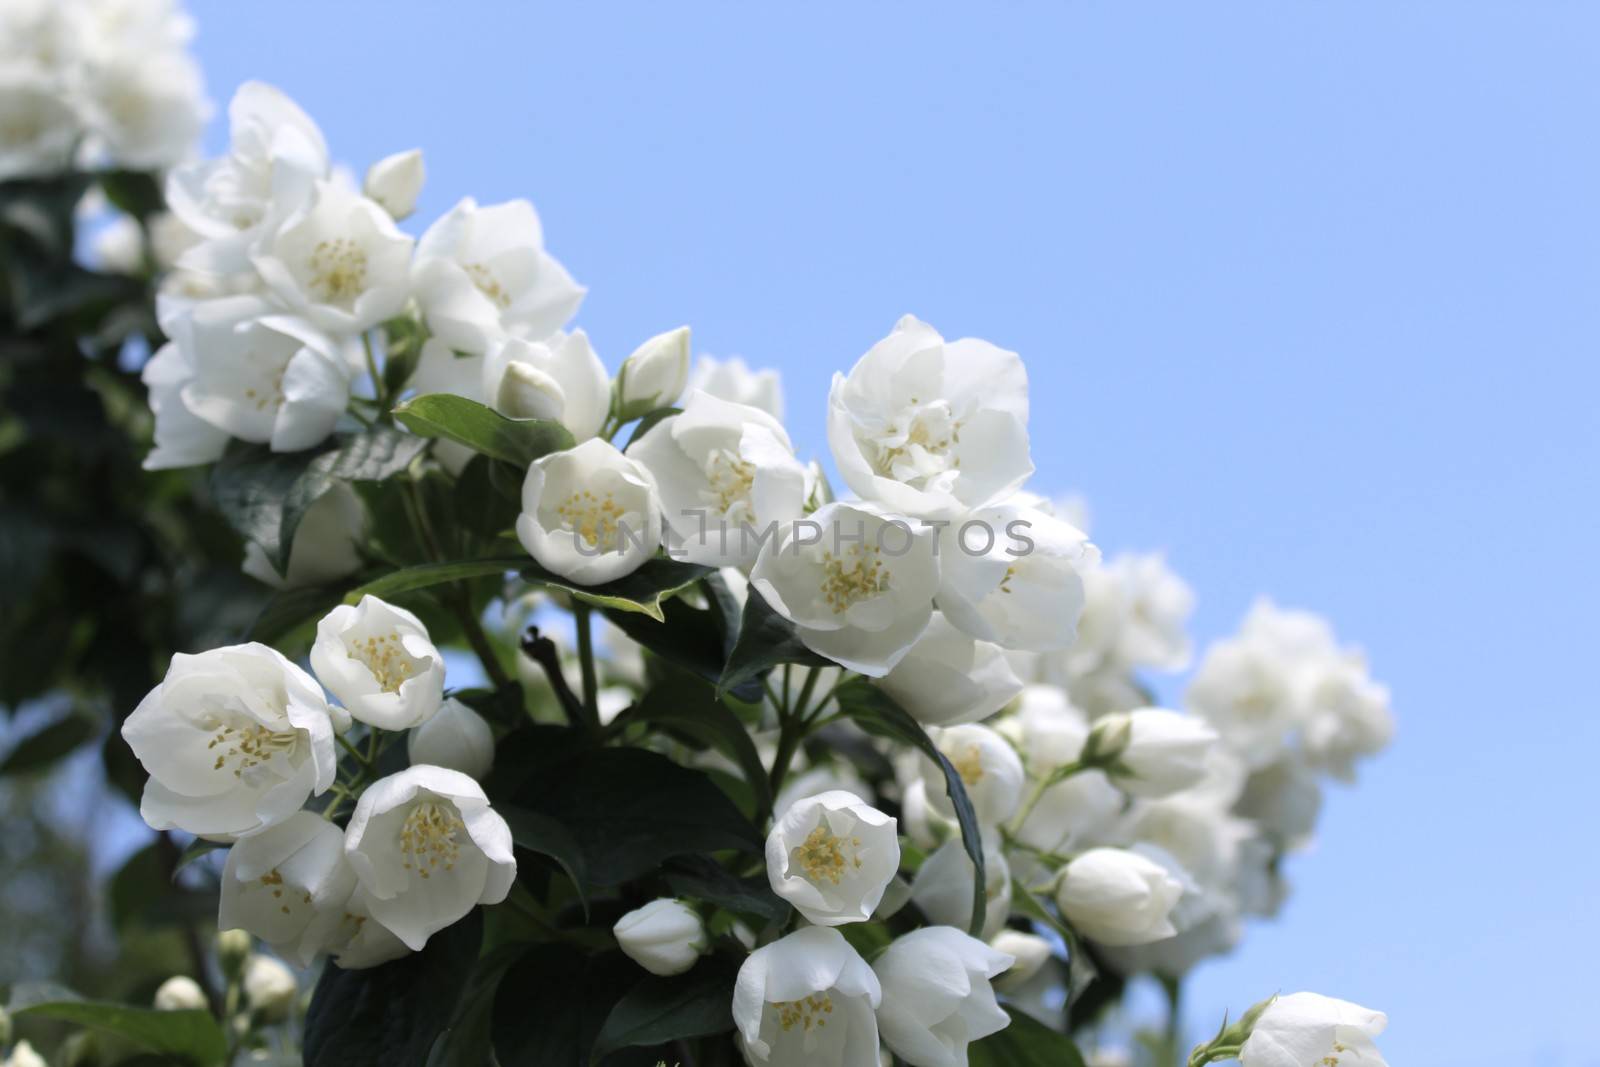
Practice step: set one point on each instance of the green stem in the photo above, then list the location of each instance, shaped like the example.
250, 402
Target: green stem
1042, 786
806, 688
344, 743
1173, 987
591, 708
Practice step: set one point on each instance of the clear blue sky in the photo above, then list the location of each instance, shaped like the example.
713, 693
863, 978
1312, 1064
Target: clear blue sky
1309, 294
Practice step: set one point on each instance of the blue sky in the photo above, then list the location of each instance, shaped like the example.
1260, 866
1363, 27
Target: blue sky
1307, 292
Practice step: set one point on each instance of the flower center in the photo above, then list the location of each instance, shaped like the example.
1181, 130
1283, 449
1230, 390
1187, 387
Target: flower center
823, 856
916, 446
852, 576
730, 481
488, 284
1333, 1060
813, 1011
386, 658
428, 838
273, 881
595, 519
969, 765
248, 746
338, 270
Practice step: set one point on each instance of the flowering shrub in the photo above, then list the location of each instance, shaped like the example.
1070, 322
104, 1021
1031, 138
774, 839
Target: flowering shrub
577, 718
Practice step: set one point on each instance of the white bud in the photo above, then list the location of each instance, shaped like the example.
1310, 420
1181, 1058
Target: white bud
664, 937
24, 1056
233, 948
395, 181
1308, 1030
1152, 752
269, 988
1117, 897
655, 375
180, 993
526, 392
1028, 952
456, 737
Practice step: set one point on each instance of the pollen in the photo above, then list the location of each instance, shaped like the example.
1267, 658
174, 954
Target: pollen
488, 284
731, 480
1005, 582
852, 576
338, 270
386, 658
428, 838
242, 748
595, 519
969, 765
823, 856
813, 1011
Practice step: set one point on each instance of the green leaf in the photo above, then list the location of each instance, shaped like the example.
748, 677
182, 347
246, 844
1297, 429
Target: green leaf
766, 639
481, 503
290, 609
702, 878
692, 707
551, 1004
466, 1043
482, 429
1027, 1042
696, 639
395, 1012
629, 809
424, 575
142, 892
643, 591
874, 711
540, 833
135, 192
198, 849
659, 1010
42, 749
191, 1036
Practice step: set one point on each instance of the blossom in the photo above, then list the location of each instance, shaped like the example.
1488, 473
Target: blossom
936, 995
1345, 715
949, 677
182, 438
235, 740
559, 378
1311, 1030
856, 582
146, 112
664, 937
326, 544
455, 737
394, 182
733, 381
1118, 897
831, 856
38, 127
930, 428
269, 988
1050, 733
1028, 952
726, 473
356, 940
942, 888
1244, 690
654, 375
807, 998
377, 659
23, 1054
590, 514
180, 993
483, 272
1152, 752
427, 849
1135, 612
989, 768
282, 883
1283, 799
339, 262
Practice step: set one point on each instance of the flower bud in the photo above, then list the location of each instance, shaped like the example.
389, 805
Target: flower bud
526, 392
1310, 1030
394, 182
1117, 897
664, 937
1028, 952
24, 1056
456, 737
180, 993
655, 375
1151, 752
5, 1028
937, 995
269, 988
233, 948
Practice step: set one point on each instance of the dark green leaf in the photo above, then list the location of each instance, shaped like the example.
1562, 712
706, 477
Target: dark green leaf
290, 609
766, 639
467, 1042
429, 574
877, 713
142, 892
393, 1013
644, 591
191, 1036
41, 750
481, 505
659, 1010
540, 833
692, 707
692, 638
198, 848
702, 878
551, 1004
135, 192
482, 429
1027, 1042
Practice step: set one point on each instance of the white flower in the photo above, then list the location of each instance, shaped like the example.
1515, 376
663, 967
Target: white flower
24, 1055
269, 988
182, 438
325, 546
482, 272
1014, 576
654, 375
831, 856
268, 378
949, 677
807, 999
283, 883
1284, 799
1135, 614
378, 661
1311, 1030
989, 768
181, 993
394, 182
1152, 752
1118, 897
339, 262
275, 157
733, 381
559, 378
1345, 716
356, 940
822, 778
147, 112
38, 126
1244, 690
928, 428
1050, 733
726, 473
427, 848
857, 584
1028, 952
590, 514
235, 740
942, 888
664, 937
936, 995
455, 737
